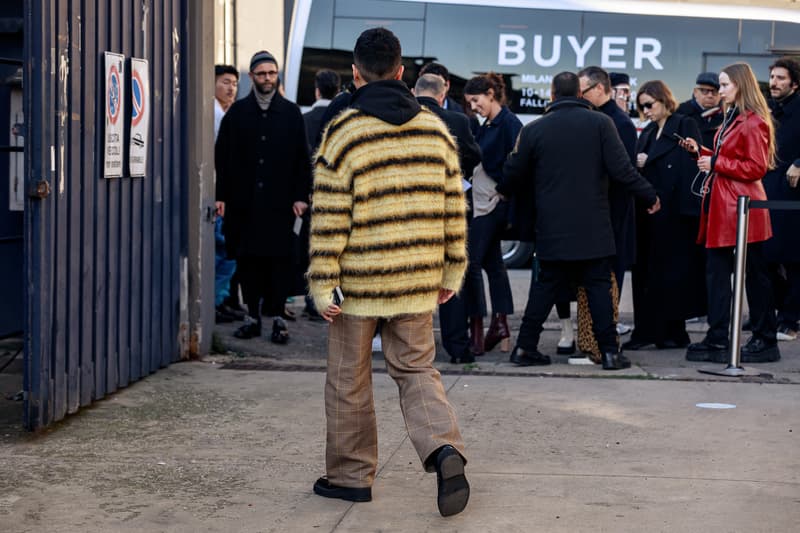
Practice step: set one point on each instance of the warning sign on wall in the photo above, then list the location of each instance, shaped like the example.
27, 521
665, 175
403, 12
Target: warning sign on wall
115, 123
140, 117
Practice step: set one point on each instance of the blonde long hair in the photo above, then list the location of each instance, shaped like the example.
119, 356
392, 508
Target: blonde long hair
750, 98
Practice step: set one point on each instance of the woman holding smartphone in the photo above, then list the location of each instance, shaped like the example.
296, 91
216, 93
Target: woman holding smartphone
668, 277
743, 151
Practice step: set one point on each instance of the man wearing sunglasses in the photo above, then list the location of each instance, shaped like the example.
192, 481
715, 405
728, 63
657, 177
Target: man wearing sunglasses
704, 106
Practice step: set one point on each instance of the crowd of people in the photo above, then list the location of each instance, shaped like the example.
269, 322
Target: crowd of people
393, 201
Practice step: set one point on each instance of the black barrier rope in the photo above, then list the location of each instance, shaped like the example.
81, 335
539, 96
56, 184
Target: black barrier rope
778, 205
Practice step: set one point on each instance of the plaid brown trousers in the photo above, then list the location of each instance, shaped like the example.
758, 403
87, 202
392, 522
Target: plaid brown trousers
351, 454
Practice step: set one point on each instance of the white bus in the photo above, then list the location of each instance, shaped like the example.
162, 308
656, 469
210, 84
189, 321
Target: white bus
529, 41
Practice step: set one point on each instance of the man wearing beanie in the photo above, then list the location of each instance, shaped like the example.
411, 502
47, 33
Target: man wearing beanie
388, 234
263, 182
704, 106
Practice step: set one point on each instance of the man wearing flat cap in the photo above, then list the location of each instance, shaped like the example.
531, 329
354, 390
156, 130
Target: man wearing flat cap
263, 184
704, 106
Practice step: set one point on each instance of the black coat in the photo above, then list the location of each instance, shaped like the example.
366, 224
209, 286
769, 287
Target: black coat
669, 167
313, 122
670, 265
263, 168
784, 247
623, 214
469, 153
560, 169
708, 125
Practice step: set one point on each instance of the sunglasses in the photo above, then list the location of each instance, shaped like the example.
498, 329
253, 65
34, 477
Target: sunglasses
647, 105
589, 88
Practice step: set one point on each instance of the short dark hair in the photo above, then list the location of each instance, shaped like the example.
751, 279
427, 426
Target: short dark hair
328, 82
435, 68
565, 85
219, 70
791, 65
377, 54
597, 76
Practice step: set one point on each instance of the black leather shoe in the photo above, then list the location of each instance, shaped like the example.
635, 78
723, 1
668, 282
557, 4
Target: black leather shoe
615, 361
706, 350
566, 350
248, 331
325, 488
634, 345
280, 333
757, 350
453, 488
670, 344
522, 358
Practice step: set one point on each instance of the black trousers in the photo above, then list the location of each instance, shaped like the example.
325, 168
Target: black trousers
785, 280
267, 279
594, 275
719, 267
453, 321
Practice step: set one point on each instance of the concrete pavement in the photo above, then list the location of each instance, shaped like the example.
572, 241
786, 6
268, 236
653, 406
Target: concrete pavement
196, 447
235, 442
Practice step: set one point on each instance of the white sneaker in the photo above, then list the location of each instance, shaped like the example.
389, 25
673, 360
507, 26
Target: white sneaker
583, 360
377, 346
623, 329
786, 334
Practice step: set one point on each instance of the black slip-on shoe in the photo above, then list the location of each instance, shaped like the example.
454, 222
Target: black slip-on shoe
325, 488
706, 350
464, 358
521, 357
280, 333
634, 345
453, 488
248, 331
615, 361
566, 350
757, 350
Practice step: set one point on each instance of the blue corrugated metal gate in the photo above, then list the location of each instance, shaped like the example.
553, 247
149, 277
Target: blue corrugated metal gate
103, 256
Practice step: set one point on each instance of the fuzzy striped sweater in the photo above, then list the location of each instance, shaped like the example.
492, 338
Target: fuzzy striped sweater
388, 219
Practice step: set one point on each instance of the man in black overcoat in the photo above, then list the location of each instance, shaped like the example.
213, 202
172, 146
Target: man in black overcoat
263, 184
562, 164
780, 183
431, 92
704, 107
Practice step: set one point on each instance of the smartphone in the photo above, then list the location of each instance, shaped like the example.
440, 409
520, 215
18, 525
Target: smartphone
678, 137
338, 296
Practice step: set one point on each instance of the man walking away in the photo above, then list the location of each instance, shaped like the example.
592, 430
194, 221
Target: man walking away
388, 236
567, 193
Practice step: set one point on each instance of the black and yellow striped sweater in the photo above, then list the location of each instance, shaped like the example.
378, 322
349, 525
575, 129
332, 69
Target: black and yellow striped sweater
388, 218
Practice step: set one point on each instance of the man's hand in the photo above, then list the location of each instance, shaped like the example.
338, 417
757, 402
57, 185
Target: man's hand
332, 311
220, 208
793, 175
298, 208
445, 295
655, 207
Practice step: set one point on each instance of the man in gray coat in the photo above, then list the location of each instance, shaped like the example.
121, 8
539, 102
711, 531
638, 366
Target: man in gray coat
561, 166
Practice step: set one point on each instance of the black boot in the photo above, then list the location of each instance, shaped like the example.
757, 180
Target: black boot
615, 361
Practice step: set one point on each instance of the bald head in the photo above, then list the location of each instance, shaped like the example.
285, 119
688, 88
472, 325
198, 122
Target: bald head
432, 86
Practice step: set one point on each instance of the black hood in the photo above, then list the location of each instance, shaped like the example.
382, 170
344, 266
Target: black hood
388, 100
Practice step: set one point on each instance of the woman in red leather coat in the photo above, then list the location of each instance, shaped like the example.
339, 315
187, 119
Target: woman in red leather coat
744, 149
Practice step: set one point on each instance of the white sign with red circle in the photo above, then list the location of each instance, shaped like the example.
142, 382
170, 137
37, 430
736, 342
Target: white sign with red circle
138, 145
115, 106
